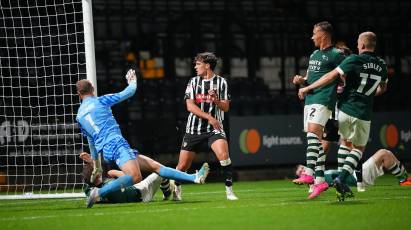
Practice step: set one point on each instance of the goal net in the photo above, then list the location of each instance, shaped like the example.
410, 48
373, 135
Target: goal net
42, 56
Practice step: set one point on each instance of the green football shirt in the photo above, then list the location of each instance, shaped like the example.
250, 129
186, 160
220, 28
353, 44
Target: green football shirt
127, 195
364, 73
320, 63
330, 175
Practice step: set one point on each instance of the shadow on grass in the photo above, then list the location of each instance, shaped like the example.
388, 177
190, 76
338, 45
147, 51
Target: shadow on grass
350, 202
152, 204
182, 202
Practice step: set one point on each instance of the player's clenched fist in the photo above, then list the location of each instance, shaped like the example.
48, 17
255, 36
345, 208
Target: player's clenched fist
298, 80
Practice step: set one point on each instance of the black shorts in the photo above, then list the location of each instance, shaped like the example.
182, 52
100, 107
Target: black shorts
202, 142
331, 131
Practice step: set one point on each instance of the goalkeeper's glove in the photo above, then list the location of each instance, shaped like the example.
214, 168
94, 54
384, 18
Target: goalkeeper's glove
97, 169
131, 76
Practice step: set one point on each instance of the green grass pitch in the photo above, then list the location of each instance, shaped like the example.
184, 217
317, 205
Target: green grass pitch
263, 205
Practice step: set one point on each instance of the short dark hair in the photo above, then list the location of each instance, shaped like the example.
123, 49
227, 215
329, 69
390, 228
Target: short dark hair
86, 173
208, 58
325, 27
84, 87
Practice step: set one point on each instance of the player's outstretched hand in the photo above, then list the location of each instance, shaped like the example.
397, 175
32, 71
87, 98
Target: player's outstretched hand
86, 157
131, 76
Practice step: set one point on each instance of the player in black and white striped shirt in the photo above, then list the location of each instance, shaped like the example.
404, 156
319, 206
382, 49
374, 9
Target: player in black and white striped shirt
207, 93
207, 98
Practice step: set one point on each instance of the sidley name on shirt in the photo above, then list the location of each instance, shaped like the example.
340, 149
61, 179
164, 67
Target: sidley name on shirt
371, 65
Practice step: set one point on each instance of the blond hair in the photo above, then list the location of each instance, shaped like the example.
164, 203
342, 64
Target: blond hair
369, 39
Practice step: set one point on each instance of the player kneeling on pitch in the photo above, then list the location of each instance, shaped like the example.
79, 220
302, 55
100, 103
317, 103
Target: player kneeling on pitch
382, 160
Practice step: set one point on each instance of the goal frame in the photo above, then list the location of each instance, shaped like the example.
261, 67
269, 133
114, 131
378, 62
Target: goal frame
91, 76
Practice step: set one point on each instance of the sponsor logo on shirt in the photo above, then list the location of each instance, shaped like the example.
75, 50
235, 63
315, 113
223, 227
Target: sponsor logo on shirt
200, 98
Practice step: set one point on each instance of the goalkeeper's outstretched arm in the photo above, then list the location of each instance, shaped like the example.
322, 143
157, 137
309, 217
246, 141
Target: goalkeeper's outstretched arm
112, 99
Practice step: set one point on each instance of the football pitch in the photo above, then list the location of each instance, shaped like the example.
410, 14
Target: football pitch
274, 204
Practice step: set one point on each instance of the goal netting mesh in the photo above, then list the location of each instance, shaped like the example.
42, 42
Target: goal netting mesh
42, 56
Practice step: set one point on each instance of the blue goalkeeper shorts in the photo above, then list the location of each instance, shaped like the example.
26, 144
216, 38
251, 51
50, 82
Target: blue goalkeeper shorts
119, 151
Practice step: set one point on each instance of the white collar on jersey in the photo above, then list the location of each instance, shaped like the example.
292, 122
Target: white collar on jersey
215, 75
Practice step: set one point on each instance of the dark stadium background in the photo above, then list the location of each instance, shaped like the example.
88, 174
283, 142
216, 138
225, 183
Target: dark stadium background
247, 30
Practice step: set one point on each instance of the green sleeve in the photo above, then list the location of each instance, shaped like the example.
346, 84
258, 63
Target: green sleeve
348, 64
339, 58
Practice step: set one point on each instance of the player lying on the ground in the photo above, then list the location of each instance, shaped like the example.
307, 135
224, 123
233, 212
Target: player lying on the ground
150, 165
143, 191
371, 169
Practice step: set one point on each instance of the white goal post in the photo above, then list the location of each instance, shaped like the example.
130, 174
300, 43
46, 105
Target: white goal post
46, 46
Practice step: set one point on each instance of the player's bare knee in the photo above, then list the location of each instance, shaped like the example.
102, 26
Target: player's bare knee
153, 165
136, 178
183, 165
316, 129
222, 155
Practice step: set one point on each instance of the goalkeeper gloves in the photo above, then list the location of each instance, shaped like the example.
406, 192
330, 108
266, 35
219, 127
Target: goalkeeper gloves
131, 76
97, 169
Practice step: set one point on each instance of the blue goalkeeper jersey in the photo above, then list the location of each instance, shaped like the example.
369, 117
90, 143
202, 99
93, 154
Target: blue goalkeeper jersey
98, 124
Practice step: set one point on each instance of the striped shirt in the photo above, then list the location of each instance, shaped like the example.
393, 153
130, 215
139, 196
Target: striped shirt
197, 90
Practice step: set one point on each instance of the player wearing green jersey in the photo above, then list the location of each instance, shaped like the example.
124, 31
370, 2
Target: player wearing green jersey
319, 105
146, 188
143, 191
366, 76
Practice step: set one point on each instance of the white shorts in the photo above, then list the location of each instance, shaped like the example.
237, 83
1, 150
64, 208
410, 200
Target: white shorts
316, 113
353, 129
370, 171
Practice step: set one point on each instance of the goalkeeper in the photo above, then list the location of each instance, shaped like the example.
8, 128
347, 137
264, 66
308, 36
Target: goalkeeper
102, 131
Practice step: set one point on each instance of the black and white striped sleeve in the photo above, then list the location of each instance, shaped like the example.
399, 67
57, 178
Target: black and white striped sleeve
224, 92
189, 94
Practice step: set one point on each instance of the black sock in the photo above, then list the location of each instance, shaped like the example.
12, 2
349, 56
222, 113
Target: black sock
228, 175
165, 187
358, 174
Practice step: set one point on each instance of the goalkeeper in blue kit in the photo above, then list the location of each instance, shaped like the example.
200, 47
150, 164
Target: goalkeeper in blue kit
103, 133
